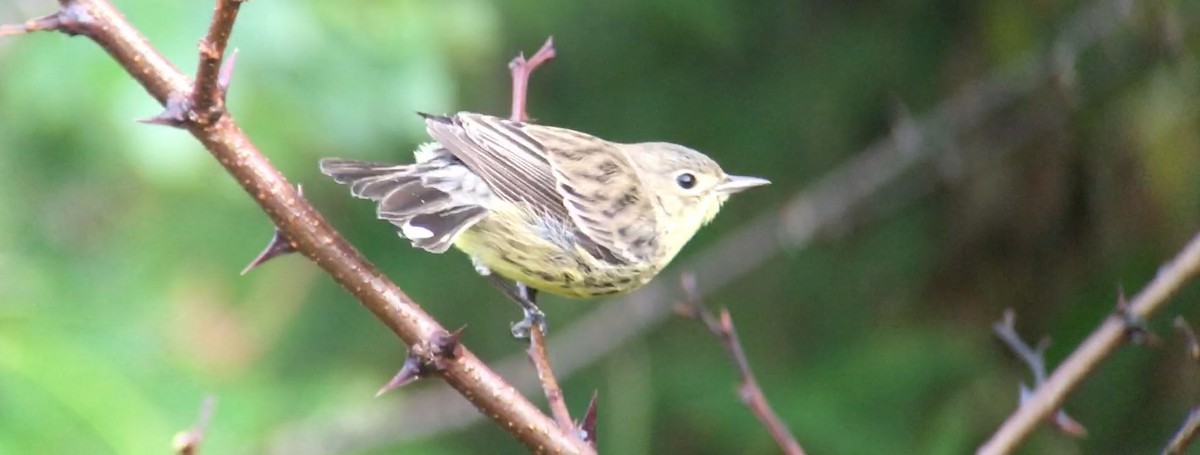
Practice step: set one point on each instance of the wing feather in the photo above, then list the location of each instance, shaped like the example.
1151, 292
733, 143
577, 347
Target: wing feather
514, 167
602, 192
565, 174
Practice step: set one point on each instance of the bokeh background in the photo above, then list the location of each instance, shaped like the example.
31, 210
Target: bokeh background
1028, 154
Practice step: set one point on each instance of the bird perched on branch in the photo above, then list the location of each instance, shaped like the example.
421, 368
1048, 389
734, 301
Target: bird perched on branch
552, 209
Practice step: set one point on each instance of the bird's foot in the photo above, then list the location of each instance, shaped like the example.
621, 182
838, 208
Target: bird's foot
533, 316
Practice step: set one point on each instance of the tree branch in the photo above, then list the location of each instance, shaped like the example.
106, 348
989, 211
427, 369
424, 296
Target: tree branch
1050, 395
302, 225
749, 391
554, 395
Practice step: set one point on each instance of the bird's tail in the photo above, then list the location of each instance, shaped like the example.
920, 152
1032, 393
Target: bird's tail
418, 198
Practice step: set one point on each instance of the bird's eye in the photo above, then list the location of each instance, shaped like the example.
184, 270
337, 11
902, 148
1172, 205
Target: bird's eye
686, 180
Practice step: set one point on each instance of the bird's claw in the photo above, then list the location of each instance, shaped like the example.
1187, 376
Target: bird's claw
520, 330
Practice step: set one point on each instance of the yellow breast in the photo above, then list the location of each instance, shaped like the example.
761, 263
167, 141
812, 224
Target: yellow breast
518, 245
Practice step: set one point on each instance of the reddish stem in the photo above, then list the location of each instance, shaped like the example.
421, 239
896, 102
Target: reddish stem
521, 70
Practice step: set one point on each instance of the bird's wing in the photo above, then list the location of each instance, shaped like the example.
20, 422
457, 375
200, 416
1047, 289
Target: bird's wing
512, 164
571, 176
602, 192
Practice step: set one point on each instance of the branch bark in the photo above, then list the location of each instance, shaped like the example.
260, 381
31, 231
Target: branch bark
299, 222
554, 394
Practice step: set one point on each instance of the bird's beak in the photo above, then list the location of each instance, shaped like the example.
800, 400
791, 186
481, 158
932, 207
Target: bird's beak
737, 183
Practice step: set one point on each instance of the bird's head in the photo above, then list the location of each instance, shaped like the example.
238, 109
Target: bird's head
689, 185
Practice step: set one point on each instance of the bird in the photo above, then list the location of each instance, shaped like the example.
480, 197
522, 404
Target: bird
548, 208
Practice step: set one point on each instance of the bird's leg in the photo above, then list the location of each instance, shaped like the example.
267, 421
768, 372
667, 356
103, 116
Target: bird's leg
527, 298
533, 314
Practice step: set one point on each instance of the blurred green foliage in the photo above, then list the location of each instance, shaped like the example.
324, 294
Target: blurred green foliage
121, 306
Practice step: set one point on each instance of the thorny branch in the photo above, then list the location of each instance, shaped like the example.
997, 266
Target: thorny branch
749, 391
299, 222
1050, 395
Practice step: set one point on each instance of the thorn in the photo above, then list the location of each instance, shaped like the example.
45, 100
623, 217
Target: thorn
587, 427
1189, 336
1135, 327
1062, 422
446, 345
1068, 426
414, 368
226, 74
276, 247
173, 115
517, 61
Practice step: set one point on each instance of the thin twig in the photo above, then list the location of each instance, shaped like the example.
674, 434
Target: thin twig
749, 390
208, 97
1103, 341
1035, 359
44, 23
188, 442
312, 234
554, 396
1187, 432
521, 69
277, 246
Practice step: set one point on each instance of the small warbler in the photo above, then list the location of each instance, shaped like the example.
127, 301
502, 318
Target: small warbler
552, 209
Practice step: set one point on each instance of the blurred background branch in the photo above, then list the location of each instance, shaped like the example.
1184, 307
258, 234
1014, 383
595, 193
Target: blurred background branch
748, 389
1049, 394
